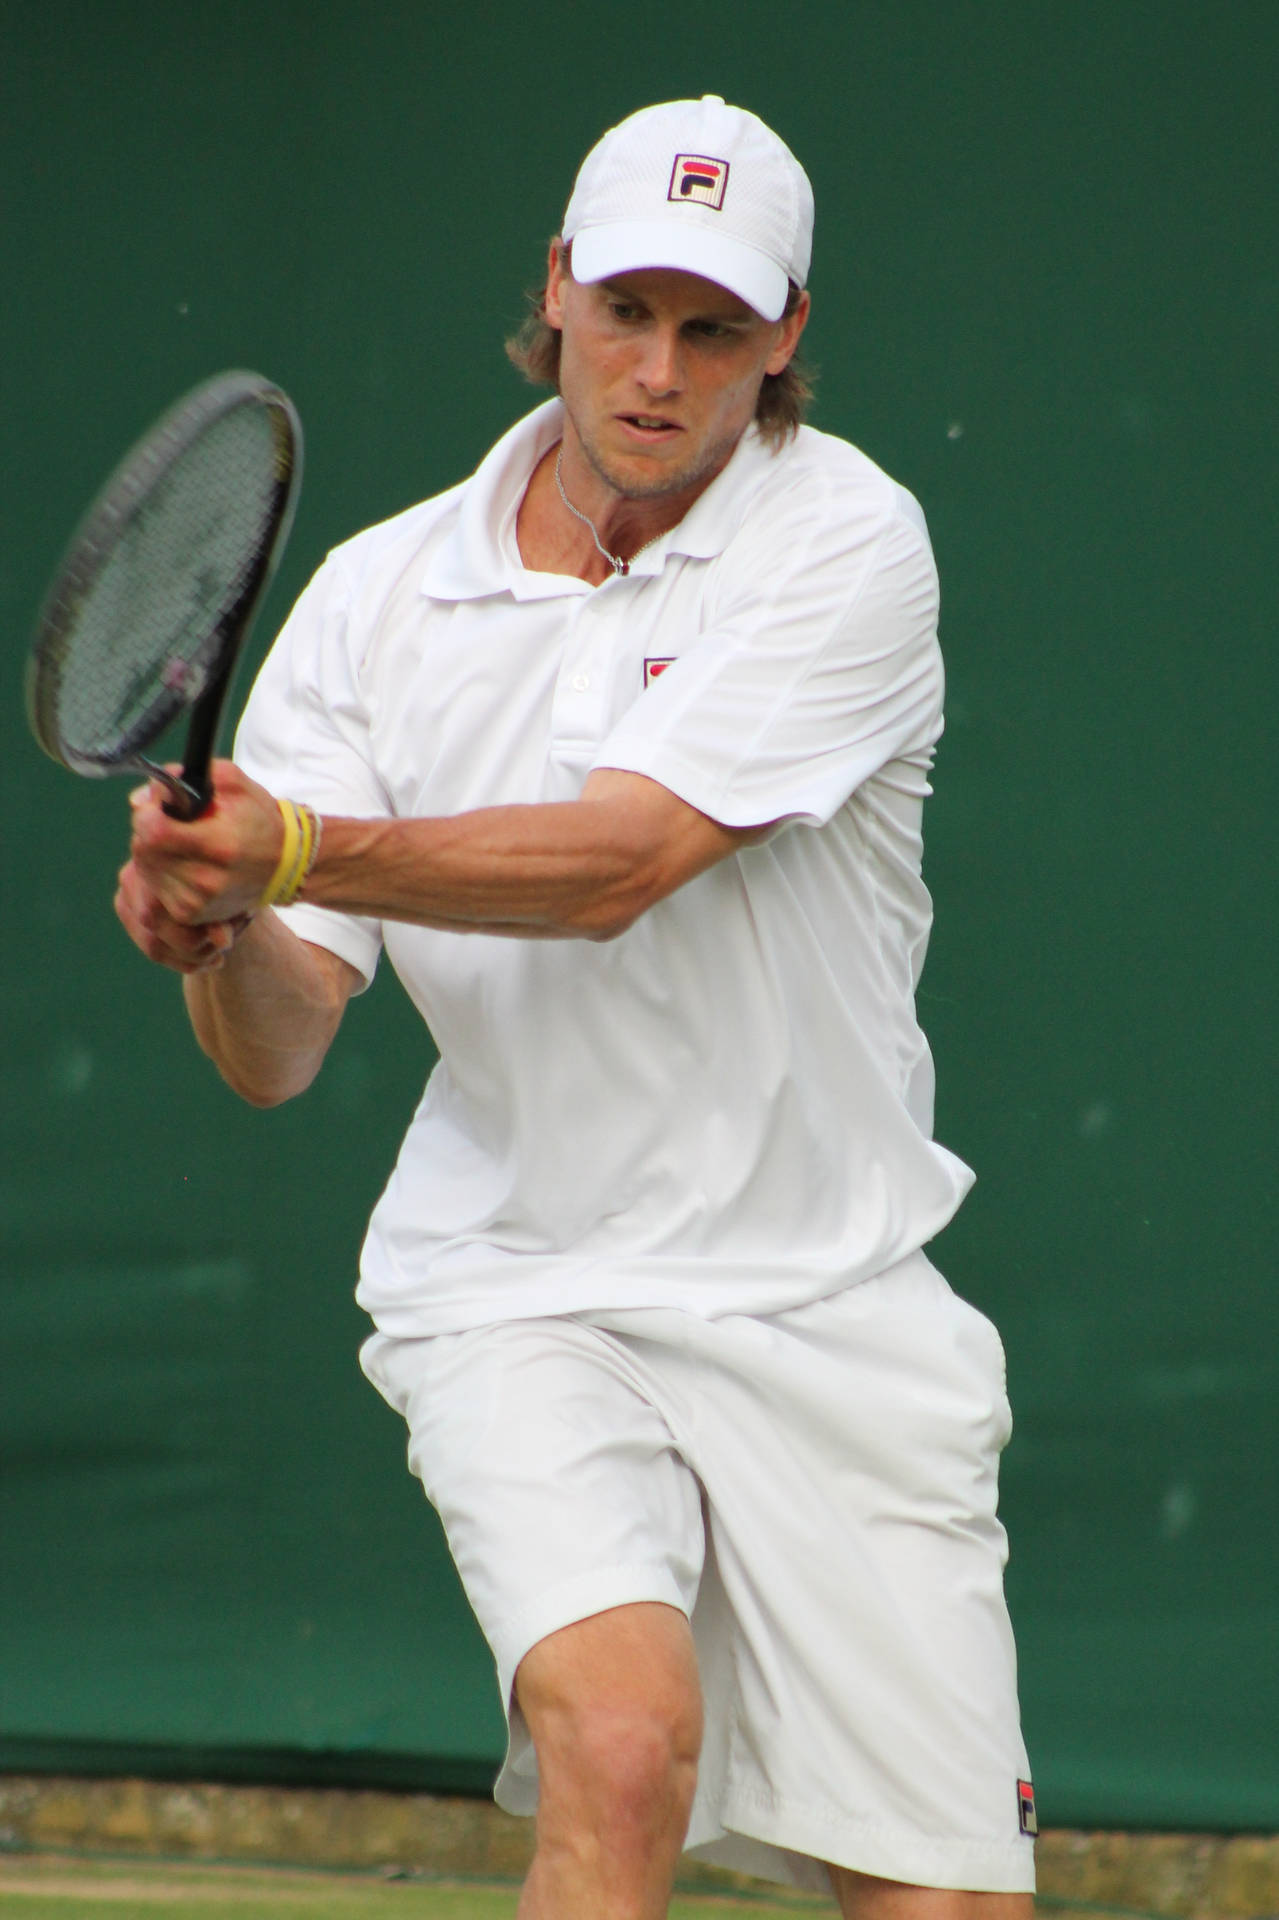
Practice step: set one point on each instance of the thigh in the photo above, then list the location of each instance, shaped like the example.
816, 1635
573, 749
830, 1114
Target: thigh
559, 1484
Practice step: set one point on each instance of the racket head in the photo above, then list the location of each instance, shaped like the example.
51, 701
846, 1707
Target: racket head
158, 587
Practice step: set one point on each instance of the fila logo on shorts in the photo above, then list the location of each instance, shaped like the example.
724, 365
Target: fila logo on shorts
653, 667
694, 177
1026, 1816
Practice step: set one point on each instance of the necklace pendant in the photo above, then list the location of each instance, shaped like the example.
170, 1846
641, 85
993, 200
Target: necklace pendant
620, 566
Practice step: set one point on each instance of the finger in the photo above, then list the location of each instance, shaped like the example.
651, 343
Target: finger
154, 790
164, 953
164, 940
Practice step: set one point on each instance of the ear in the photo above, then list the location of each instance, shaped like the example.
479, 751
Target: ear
557, 278
788, 333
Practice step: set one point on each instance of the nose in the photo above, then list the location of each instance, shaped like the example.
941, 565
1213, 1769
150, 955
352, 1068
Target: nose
659, 371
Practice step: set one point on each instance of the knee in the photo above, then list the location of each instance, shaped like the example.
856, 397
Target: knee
621, 1759
614, 1706
637, 1761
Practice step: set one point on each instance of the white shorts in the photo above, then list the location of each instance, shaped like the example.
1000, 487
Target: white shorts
816, 1491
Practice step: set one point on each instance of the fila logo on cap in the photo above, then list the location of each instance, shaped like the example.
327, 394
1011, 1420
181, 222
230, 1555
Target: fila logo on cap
694, 177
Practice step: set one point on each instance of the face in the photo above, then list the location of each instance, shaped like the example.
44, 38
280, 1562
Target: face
660, 372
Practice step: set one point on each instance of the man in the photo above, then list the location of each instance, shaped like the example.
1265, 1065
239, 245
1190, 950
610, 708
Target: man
650, 703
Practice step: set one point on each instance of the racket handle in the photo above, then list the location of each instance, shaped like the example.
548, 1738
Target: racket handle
193, 789
187, 801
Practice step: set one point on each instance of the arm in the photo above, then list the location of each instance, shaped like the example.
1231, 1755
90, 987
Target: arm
585, 868
267, 1016
265, 1005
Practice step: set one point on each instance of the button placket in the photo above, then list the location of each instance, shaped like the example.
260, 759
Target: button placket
580, 716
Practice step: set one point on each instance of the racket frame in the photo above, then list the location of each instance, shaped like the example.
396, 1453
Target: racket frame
205, 681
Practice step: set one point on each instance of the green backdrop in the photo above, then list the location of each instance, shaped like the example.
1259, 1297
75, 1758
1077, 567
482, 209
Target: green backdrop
1046, 290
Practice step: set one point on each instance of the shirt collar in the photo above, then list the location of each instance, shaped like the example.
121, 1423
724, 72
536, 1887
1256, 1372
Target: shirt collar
473, 559
475, 556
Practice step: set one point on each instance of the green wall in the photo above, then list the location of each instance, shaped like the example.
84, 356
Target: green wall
1046, 291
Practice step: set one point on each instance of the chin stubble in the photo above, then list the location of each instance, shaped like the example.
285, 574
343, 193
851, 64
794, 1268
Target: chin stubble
676, 481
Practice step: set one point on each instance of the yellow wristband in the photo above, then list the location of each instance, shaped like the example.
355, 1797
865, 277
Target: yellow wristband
287, 868
302, 827
309, 846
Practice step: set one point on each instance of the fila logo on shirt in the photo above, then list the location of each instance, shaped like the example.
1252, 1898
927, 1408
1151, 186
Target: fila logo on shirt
1027, 1819
695, 178
653, 667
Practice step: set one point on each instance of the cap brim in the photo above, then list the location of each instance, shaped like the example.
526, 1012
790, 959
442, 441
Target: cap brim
628, 246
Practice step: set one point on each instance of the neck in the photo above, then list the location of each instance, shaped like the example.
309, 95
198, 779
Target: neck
620, 563
553, 539
628, 508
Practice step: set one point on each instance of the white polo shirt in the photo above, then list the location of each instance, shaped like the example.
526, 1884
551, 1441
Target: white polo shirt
729, 1108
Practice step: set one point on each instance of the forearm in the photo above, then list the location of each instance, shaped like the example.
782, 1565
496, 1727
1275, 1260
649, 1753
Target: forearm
550, 871
267, 1014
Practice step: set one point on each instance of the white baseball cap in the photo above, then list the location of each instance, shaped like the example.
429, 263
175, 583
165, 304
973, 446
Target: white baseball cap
700, 186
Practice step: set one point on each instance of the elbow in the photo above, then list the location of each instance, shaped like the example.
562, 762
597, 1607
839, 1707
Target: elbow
268, 1084
603, 931
262, 1083
614, 913
653, 876
263, 1098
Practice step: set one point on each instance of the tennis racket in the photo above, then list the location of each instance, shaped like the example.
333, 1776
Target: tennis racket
156, 594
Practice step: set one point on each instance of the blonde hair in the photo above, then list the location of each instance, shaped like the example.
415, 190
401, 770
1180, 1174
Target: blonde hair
783, 397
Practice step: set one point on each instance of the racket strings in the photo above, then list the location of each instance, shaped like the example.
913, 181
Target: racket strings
143, 631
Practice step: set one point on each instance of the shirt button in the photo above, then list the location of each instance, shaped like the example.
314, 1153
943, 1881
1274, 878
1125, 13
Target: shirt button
581, 681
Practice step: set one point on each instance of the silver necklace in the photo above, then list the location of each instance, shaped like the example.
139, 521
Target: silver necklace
615, 560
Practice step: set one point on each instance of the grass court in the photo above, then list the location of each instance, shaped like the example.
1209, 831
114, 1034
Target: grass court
64, 1887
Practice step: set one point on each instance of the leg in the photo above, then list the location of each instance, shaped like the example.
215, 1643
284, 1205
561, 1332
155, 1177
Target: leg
855, 1568
614, 1709
863, 1897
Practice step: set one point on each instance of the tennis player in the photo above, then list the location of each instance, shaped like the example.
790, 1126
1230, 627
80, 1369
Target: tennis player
620, 750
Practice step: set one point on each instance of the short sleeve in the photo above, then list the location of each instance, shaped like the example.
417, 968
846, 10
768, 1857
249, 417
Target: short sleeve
818, 666
304, 735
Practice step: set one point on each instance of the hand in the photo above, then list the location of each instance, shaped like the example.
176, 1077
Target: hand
196, 873
155, 933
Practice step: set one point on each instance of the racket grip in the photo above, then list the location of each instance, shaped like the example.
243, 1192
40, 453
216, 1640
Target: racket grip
187, 801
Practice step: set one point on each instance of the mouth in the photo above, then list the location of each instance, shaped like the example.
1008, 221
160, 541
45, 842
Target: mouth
650, 428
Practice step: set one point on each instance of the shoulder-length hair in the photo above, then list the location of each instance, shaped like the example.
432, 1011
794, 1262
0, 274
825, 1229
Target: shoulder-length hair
783, 397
